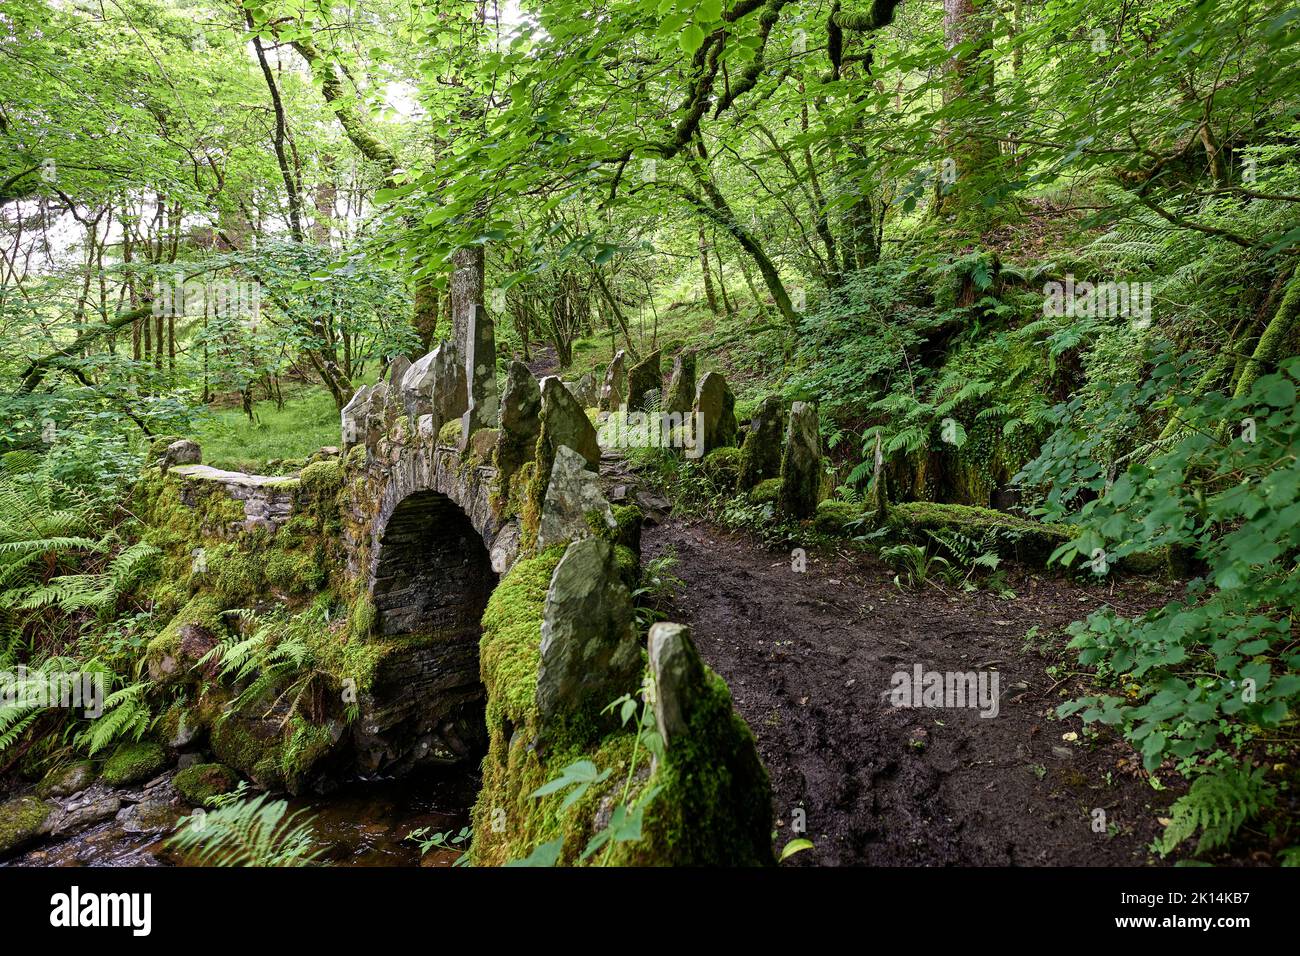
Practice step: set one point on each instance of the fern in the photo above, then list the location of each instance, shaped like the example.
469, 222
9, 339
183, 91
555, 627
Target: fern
126, 715
1217, 804
243, 831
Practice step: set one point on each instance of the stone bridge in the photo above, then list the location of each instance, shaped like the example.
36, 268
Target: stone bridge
445, 482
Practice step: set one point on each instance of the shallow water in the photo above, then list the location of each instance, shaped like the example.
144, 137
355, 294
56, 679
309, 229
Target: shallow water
360, 824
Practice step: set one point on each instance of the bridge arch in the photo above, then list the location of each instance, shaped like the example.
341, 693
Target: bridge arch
431, 569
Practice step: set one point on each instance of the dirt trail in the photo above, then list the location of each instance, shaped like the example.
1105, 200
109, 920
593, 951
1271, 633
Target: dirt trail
809, 659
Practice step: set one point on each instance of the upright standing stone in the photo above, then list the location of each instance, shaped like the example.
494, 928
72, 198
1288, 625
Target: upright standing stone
521, 408
449, 391
480, 375
376, 410
716, 406
801, 464
417, 386
573, 502
760, 455
680, 396
354, 417
466, 290
680, 680
612, 392
182, 452
642, 378
565, 422
397, 370
585, 391
590, 654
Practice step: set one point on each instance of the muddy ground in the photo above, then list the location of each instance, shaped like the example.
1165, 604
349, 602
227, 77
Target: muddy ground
809, 659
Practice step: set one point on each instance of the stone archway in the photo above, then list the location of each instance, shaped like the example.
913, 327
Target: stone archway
430, 580
432, 573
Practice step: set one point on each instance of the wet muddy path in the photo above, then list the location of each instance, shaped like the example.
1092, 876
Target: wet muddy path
809, 658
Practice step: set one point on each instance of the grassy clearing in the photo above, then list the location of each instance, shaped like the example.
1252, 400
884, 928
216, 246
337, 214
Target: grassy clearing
308, 421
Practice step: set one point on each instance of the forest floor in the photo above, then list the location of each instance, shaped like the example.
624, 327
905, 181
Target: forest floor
809, 659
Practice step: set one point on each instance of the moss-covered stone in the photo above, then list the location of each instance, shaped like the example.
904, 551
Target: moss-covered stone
134, 763
449, 434
21, 820
67, 779
628, 520
765, 492
707, 809
272, 756
722, 466
202, 781
1012, 536
192, 632
835, 517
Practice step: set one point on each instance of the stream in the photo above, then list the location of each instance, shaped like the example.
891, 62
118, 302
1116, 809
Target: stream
359, 824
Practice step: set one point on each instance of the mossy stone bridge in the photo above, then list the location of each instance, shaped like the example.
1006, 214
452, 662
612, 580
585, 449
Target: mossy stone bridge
444, 484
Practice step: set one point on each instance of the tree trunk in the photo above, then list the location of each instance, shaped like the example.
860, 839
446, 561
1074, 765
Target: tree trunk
708, 276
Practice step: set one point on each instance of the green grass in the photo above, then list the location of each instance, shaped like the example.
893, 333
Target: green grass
308, 421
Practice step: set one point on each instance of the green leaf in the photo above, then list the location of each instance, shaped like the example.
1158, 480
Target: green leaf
793, 847
691, 39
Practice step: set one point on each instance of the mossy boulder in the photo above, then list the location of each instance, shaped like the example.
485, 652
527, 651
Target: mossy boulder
21, 821
273, 756
202, 781
192, 632
134, 763
765, 492
836, 517
449, 434
760, 454
67, 779
722, 466
1011, 536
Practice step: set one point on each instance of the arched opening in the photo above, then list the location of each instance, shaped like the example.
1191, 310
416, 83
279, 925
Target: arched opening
432, 576
432, 572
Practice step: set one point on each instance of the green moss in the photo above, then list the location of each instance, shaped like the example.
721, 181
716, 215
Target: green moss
449, 434
628, 519
362, 619
134, 763
510, 648
163, 655
237, 575
1021, 538
834, 517
355, 458
534, 490
295, 571
765, 492
21, 820
202, 781
722, 466
321, 480
628, 565
307, 743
